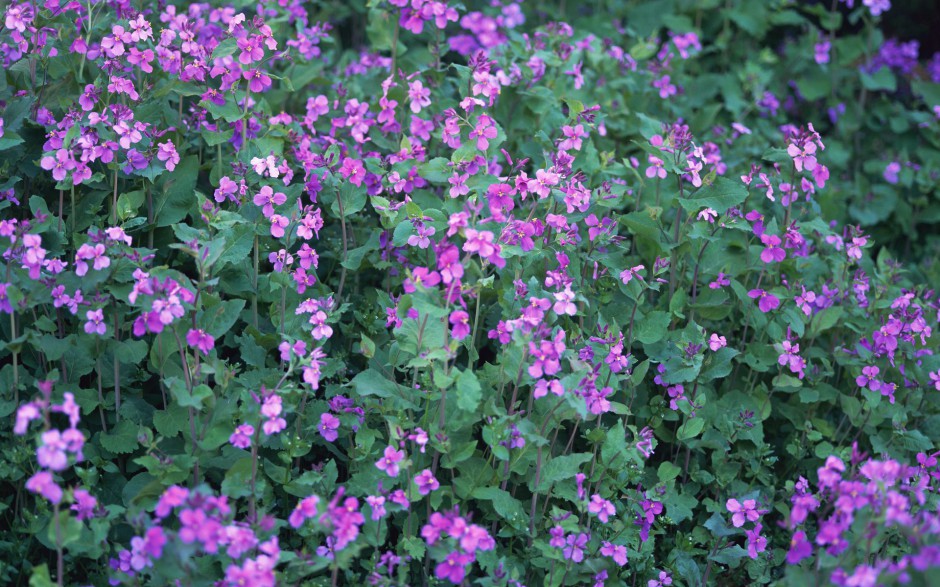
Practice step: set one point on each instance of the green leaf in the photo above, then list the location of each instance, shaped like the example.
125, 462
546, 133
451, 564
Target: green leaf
692, 428
509, 508
563, 467
175, 195
371, 382
130, 352
722, 194
122, 439
667, 471
883, 79
170, 422
236, 245
652, 327
237, 482
469, 392
40, 576
719, 527
219, 318
825, 320
184, 398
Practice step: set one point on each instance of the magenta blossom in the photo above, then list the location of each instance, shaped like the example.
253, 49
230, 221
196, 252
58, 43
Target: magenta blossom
389, 461
766, 301
241, 438
742, 512
426, 482
200, 339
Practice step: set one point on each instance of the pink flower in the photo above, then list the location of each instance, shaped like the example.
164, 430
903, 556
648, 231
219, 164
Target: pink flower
628, 274
460, 323
329, 424
805, 157
766, 301
742, 512
241, 437
306, 509
708, 214
419, 96
167, 152
353, 170
389, 461
755, 542
656, 168
564, 304
199, 339
602, 508
716, 342
44, 484
483, 131
773, 252
278, 224
453, 567
426, 482
95, 323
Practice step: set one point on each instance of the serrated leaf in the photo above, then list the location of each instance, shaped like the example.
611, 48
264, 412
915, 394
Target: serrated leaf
122, 439
562, 467
652, 327
509, 508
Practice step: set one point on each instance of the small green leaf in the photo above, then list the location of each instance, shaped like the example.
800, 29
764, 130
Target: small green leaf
667, 472
692, 428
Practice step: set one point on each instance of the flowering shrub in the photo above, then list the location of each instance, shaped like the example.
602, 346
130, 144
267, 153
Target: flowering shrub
417, 292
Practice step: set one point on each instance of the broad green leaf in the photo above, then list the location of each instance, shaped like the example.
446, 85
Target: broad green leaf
469, 392
722, 194
175, 194
559, 468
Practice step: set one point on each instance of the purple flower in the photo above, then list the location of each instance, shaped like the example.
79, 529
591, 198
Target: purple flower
306, 509
800, 548
389, 461
453, 567
95, 322
200, 339
460, 323
426, 482
773, 252
575, 547
377, 503
85, 504
241, 437
766, 301
43, 484
742, 512
329, 424
602, 508
617, 552
755, 542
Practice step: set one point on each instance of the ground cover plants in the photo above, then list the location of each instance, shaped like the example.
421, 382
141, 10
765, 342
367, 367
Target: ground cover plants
411, 292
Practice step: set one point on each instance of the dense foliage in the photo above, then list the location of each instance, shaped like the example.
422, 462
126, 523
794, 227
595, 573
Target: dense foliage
501, 293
